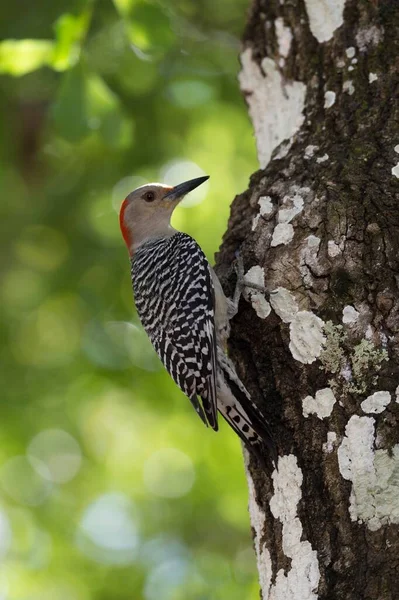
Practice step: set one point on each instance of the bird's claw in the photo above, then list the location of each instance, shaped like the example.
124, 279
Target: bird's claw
241, 284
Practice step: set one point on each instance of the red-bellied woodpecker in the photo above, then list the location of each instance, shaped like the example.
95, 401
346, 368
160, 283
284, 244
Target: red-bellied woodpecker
185, 313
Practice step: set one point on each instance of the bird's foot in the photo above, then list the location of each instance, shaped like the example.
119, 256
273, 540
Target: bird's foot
241, 284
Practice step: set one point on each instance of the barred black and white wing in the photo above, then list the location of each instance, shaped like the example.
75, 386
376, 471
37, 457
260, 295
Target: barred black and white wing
174, 297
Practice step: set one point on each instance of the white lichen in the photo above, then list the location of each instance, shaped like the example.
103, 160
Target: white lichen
276, 106
346, 372
284, 37
350, 52
309, 151
258, 518
260, 305
368, 36
329, 99
321, 405
282, 234
349, 315
306, 337
397, 394
384, 339
265, 205
265, 208
372, 77
349, 87
313, 241
356, 450
322, 159
333, 249
395, 170
374, 475
301, 579
256, 275
283, 149
369, 335
255, 221
290, 207
329, 445
309, 259
325, 16
284, 304
376, 403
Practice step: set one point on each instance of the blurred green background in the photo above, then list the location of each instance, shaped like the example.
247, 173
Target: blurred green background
110, 486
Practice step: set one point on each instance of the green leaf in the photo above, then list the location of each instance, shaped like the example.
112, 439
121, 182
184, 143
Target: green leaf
104, 109
18, 57
123, 6
69, 110
86, 104
148, 26
70, 31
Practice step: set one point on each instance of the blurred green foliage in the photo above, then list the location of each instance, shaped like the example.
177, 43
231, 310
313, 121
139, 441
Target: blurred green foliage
110, 486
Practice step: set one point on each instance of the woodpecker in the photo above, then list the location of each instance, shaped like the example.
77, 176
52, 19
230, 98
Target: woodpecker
185, 313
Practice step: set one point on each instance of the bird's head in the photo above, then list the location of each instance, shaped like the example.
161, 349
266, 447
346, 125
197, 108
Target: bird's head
146, 211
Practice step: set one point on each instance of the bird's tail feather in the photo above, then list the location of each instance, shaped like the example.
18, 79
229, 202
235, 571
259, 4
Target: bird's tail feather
237, 407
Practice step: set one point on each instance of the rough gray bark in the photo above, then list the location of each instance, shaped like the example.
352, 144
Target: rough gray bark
339, 183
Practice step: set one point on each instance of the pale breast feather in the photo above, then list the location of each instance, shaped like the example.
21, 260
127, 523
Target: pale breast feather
174, 297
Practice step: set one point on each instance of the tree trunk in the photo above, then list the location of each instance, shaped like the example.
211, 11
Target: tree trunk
319, 227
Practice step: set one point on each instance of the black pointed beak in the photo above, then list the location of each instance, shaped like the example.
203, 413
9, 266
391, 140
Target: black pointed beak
184, 188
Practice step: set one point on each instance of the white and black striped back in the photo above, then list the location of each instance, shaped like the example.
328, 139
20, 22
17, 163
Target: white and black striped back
174, 297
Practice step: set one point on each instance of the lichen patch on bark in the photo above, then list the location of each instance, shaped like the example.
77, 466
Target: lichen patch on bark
376, 403
276, 107
284, 304
306, 337
303, 576
374, 475
321, 405
325, 17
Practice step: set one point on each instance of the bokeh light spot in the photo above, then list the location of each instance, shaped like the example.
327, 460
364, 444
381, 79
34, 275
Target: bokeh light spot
123, 188
50, 335
162, 548
42, 248
22, 288
102, 219
164, 581
22, 483
119, 345
177, 171
107, 531
245, 564
55, 455
5, 534
169, 473
189, 93
134, 339
24, 530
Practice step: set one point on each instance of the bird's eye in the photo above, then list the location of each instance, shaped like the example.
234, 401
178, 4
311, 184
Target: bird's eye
149, 196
